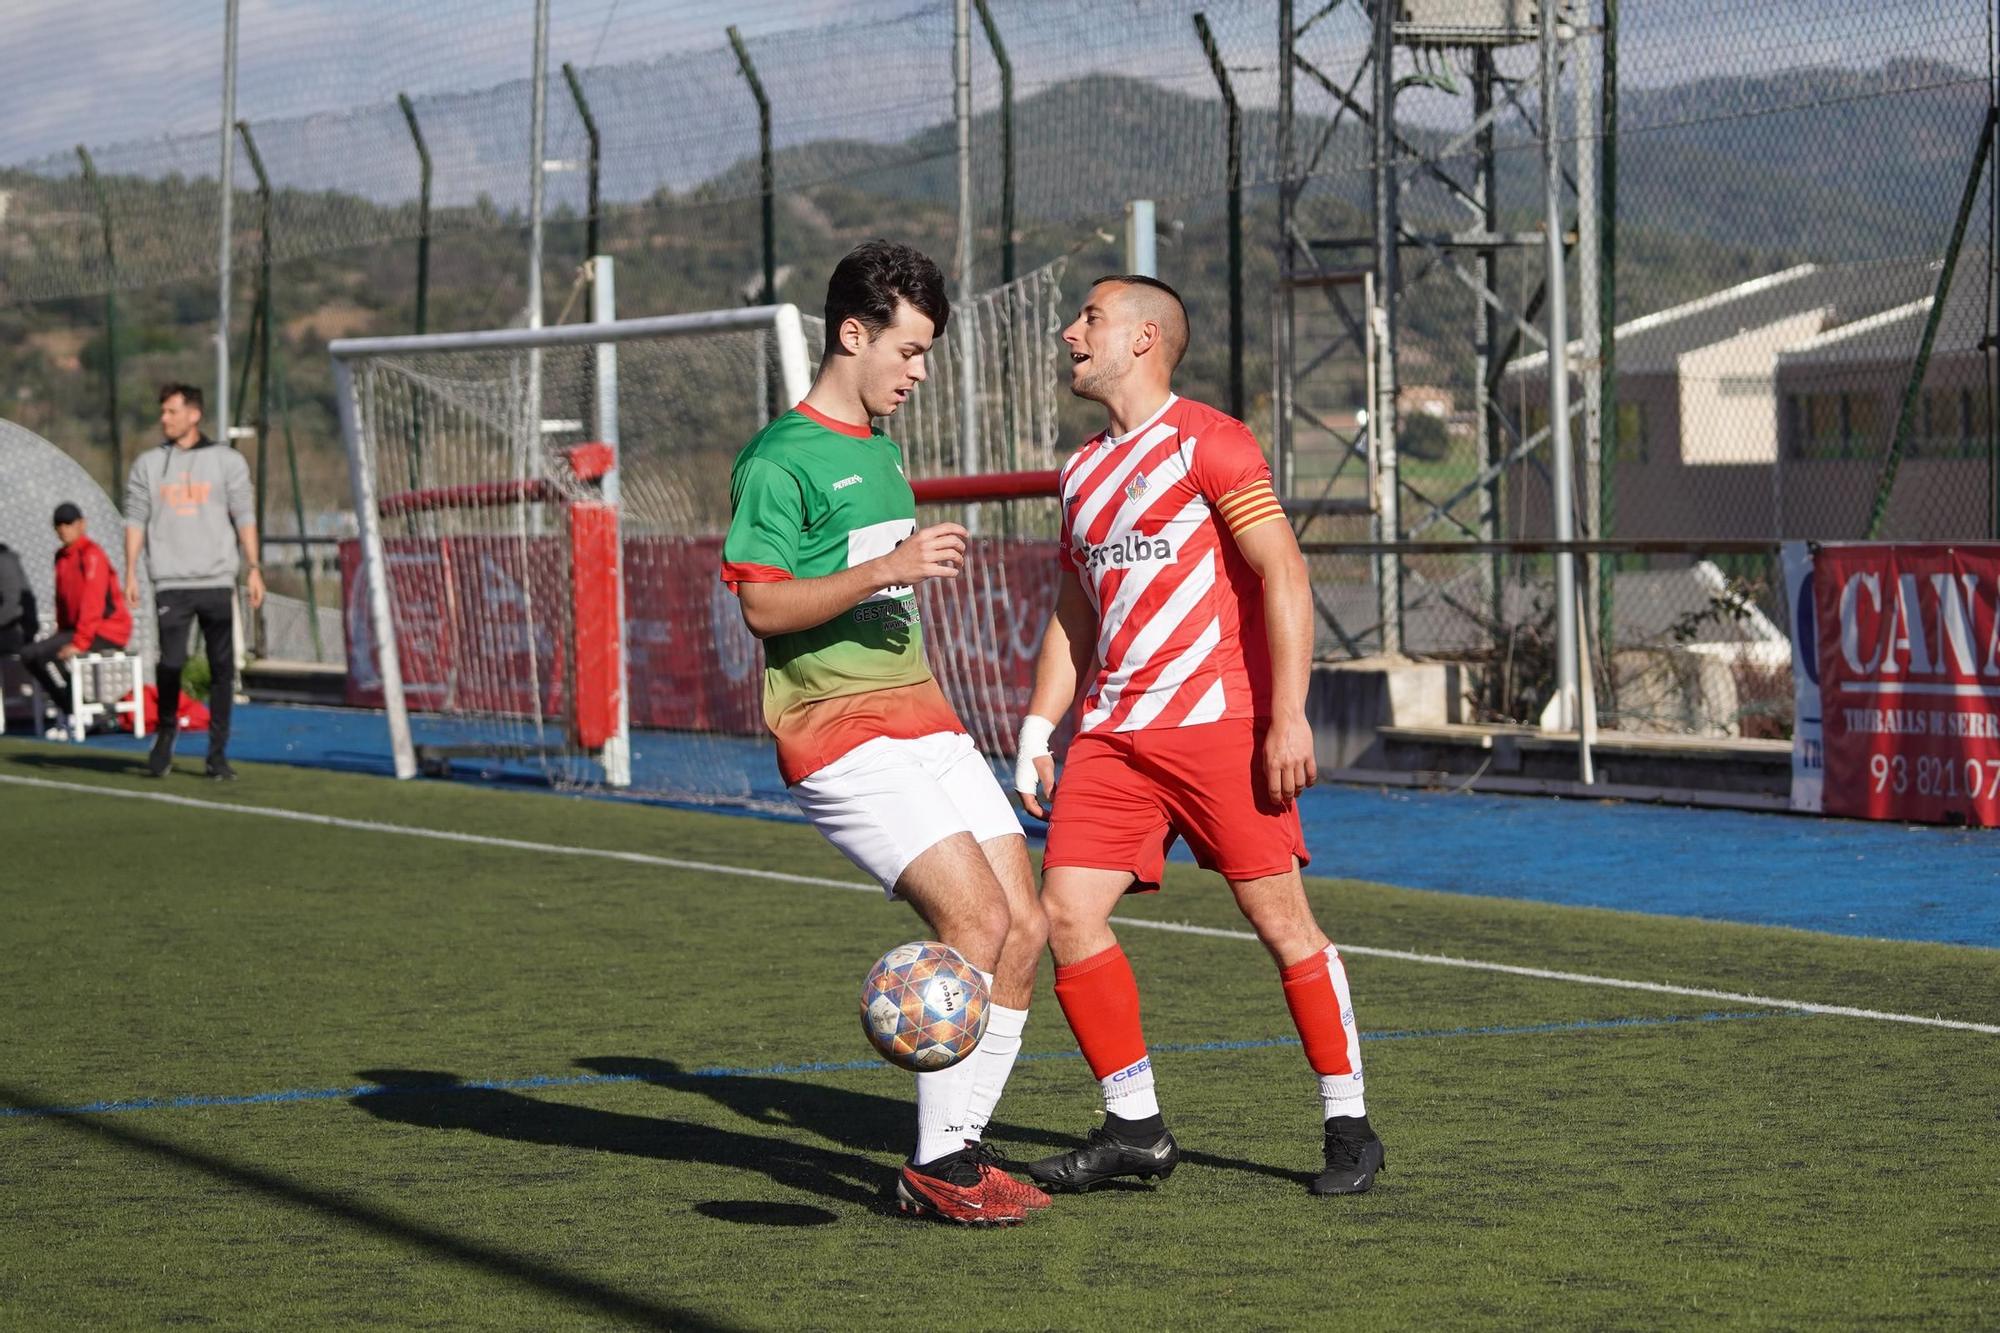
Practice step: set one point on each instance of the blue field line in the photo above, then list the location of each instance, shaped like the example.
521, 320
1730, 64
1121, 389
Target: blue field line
541, 1081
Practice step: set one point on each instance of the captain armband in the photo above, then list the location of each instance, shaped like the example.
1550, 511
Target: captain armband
1252, 506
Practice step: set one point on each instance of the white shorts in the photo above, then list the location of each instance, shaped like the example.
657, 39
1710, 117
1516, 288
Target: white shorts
887, 801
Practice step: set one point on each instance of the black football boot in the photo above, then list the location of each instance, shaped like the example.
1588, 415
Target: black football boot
1353, 1156
1142, 1149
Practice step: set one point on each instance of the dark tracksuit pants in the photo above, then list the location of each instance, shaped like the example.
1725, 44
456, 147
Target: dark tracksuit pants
40, 658
213, 609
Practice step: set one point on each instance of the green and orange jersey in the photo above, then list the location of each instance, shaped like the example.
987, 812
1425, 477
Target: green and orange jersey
811, 496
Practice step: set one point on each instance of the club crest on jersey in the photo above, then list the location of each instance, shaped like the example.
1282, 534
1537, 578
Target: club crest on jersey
1136, 487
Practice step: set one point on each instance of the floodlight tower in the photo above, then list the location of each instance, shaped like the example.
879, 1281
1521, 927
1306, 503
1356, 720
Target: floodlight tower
1483, 50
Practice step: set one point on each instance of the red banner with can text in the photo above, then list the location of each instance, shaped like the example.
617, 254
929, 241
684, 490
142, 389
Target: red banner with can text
1909, 661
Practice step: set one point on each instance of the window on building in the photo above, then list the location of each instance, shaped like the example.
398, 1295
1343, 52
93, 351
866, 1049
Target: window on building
1834, 425
1977, 414
1822, 428
1940, 429
1862, 415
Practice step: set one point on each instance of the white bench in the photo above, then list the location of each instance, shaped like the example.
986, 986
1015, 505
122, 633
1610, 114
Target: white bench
99, 684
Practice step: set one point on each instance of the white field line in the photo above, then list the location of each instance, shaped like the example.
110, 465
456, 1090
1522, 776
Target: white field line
1213, 932
1589, 979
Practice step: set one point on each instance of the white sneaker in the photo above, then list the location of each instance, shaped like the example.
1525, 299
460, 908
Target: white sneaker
58, 732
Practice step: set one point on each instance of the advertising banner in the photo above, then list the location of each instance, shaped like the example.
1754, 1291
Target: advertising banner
486, 625
1909, 680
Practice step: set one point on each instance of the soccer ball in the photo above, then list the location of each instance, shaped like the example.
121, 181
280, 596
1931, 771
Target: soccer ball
923, 1006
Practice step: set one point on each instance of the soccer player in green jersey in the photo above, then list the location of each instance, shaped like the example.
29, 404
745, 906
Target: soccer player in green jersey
825, 554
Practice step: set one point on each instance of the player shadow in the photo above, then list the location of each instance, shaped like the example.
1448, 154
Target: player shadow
435, 1099
861, 1121
764, 1213
865, 1121
83, 759
250, 1180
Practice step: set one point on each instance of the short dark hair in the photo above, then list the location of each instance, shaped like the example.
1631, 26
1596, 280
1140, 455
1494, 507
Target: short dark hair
189, 394
875, 275
1141, 280
67, 513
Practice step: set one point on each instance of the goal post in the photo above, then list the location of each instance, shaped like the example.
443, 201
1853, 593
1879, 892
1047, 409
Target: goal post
533, 593
463, 442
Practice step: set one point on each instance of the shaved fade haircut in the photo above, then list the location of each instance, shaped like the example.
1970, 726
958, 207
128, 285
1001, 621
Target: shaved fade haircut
1161, 304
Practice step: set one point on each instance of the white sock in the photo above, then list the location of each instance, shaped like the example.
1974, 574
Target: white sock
943, 1099
1340, 1094
1128, 1094
993, 1061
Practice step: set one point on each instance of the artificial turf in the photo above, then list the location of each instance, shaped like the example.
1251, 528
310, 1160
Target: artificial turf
680, 1124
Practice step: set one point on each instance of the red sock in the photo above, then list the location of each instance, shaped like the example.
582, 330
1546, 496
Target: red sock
1100, 998
1309, 994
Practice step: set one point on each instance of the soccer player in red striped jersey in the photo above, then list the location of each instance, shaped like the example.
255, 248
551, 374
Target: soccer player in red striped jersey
1186, 627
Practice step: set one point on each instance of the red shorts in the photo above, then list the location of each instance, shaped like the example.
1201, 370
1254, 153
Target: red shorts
1124, 796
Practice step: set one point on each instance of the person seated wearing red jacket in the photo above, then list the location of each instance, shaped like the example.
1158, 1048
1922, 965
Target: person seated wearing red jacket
91, 615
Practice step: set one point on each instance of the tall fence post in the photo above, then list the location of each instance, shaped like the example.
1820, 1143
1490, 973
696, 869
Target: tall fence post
538, 146
533, 461
766, 173
261, 348
225, 225
117, 439
423, 209
1607, 332
767, 192
1284, 309
1589, 317
423, 263
1010, 421
1235, 124
1914, 388
1142, 233
1489, 437
966, 335
590, 238
1006, 140
1388, 279
258, 346
1569, 715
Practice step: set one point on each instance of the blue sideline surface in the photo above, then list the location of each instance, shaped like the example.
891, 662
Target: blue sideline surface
1846, 877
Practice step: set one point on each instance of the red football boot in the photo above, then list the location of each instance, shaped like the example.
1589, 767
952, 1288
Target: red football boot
972, 1203
992, 1169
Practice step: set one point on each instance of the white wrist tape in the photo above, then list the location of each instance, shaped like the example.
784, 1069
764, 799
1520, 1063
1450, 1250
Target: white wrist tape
1031, 744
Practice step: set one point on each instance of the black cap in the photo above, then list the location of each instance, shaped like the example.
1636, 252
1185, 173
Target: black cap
67, 513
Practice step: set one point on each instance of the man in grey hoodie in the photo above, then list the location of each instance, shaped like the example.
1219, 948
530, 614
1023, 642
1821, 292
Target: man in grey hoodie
188, 505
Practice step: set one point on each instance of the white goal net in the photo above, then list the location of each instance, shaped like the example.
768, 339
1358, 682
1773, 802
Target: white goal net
534, 592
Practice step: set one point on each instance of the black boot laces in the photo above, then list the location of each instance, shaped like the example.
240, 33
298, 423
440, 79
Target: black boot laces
985, 1154
1343, 1152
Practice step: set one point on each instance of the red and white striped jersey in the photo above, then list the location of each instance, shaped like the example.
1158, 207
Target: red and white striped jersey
1180, 613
